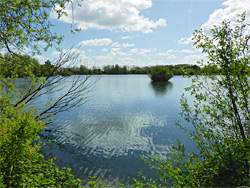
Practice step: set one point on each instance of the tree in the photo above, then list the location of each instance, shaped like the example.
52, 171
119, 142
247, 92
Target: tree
220, 115
19, 66
25, 24
160, 74
83, 69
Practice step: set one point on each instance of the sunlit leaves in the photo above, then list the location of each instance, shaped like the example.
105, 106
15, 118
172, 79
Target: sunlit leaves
26, 24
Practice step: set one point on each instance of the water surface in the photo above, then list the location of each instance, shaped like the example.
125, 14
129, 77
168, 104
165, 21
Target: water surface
126, 117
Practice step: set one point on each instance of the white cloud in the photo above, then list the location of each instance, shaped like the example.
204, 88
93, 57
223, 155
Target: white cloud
142, 51
41, 58
116, 44
167, 53
127, 45
146, 51
185, 40
80, 57
121, 15
72, 50
232, 8
125, 37
192, 59
183, 56
139, 4
96, 42
171, 57
116, 52
228, 12
104, 50
124, 45
115, 49
134, 51
187, 51
104, 59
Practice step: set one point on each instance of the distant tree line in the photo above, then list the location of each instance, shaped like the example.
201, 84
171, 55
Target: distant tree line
180, 69
29, 64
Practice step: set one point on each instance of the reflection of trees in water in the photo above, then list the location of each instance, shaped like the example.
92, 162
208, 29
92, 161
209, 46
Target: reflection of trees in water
161, 88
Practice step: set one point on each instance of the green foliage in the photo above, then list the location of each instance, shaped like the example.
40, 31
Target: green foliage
220, 114
26, 24
19, 66
21, 163
115, 69
160, 74
17, 133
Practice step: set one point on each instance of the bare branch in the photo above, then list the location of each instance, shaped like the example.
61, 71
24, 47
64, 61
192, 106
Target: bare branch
75, 95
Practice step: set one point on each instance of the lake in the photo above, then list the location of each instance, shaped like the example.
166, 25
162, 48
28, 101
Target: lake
126, 117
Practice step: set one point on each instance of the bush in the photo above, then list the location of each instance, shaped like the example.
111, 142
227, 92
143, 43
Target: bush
160, 74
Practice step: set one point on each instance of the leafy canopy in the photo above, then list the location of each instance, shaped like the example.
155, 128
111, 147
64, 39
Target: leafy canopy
26, 23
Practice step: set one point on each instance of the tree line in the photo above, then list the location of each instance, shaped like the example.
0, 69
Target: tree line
25, 64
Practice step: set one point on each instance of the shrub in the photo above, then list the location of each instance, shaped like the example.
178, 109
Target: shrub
160, 74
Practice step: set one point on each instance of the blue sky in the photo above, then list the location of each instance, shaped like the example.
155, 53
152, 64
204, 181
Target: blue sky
140, 32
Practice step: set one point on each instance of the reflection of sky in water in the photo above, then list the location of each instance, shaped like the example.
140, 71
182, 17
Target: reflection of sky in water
127, 117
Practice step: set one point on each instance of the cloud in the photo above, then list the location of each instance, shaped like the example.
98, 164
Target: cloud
134, 51
124, 45
104, 59
185, 40
41, 58
115, 49
167, 53
192, 59
127, 45
142, 51
146, 51
104, 50
116, 52
232, 8
183, 51
116, 44
184, 56
72, 51
188, 51
229, 12
96, 42
123, 15
125, 37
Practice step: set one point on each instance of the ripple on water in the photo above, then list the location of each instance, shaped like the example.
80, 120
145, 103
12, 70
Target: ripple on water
126, 118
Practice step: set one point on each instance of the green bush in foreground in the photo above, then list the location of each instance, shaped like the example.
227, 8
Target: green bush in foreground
220, 114
21, 163
160, 74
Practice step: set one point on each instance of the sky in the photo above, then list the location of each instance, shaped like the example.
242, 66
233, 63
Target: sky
140, 32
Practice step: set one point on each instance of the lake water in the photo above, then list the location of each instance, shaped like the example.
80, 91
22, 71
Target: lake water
126, 117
